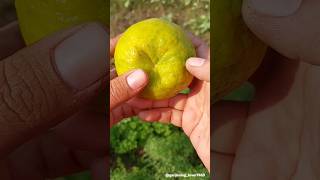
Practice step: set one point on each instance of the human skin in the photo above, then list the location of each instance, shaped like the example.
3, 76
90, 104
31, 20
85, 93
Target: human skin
190, 112
277, 135
52, 144
55, 139
52, 135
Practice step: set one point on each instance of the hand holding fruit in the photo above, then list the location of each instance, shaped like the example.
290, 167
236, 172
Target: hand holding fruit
123, 88
159, 48
192, 111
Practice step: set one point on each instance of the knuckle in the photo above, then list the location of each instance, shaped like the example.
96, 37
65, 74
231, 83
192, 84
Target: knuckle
15, 101
118, 91
26, 95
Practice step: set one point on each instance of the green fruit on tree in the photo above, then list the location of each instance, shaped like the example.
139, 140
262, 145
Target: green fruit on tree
40, 18
236, 51
161, 49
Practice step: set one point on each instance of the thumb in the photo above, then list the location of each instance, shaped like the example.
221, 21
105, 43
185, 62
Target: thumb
200, 68
44, 83
126, 87
289, 26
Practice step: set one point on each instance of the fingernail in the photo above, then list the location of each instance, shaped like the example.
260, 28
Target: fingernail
197, 62
81, 59
278, 8
136, 79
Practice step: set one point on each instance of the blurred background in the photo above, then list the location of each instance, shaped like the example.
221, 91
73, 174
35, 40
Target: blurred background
7, 12
7, 15
192, 15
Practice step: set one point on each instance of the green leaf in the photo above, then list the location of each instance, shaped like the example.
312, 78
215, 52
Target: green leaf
186, 91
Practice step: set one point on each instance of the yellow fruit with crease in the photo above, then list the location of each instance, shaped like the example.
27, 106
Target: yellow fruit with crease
161, 49
40, 18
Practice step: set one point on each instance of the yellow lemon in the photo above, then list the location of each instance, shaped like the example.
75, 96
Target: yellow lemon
161, 49
39, 18
236, 51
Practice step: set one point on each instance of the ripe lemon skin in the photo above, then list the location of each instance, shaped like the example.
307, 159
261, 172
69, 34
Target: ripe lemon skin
161, 49
40, 18
237, 53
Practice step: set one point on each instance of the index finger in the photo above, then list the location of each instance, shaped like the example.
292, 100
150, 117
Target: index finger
201, 47
178, 102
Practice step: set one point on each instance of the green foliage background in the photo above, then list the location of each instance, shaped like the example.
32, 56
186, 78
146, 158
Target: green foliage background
142, 150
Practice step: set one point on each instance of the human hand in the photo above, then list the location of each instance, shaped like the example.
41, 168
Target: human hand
276, 135
192, 111
60, 78
124, 88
